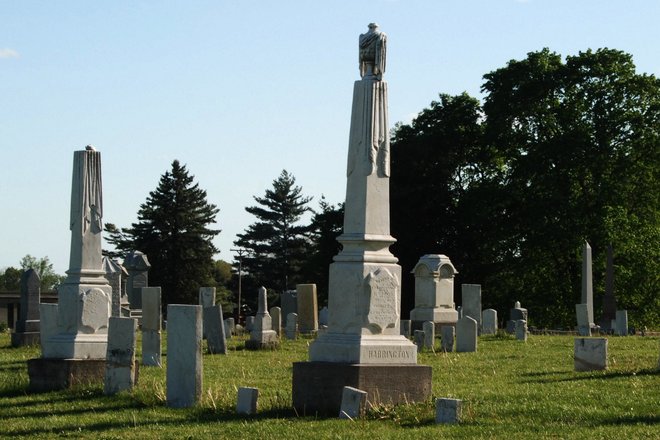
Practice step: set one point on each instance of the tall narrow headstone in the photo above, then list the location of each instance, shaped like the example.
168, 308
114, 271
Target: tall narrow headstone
276, 317
429, 334
434, 291
621, 328
471, 296
364, 299
152, 317
308, 320
120, 367
184, 355
587, 283
115, 273
137, 265
521, 330
406, 327
206, 299
214, 327
48, 322
489, 325
609, 300
262, 335
289, 303
419, 337
291, 326
466, 334
27, 326
84, 298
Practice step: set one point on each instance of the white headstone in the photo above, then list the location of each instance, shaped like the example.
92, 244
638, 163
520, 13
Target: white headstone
448, 411
247, 401
447, 338
621, 324
120, 369
207, 296
262, 334
353, 402
521, 330
48, 324
215, 330
276, 318
466, 334
152, 318
471, 295
587, 283
184, 355
590, 354
489, 326
429, 334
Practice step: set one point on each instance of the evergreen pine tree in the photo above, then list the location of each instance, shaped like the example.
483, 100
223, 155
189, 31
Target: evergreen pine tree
277, 244
173, 231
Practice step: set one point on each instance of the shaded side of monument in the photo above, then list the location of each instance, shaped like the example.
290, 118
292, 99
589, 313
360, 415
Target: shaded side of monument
363, 347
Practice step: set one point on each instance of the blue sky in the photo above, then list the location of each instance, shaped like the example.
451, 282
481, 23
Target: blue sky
239, 90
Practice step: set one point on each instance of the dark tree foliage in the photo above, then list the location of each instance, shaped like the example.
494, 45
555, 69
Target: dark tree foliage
173, 231
10, 279
325, 227
561, 152
276, 242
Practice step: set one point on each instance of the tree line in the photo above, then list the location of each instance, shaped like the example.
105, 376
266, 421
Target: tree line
559, 151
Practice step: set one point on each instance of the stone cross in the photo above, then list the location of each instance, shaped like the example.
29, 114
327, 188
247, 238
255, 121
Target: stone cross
184, 355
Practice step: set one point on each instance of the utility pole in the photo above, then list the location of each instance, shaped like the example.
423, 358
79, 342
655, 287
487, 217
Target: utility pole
240, 252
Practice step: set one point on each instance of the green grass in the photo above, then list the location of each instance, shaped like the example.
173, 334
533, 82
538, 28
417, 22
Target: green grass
509, 390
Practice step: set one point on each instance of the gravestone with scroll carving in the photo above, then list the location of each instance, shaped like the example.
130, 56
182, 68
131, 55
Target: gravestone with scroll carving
363, 339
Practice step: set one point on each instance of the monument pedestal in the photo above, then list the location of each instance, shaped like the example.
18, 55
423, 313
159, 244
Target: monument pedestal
58, 374
318, 386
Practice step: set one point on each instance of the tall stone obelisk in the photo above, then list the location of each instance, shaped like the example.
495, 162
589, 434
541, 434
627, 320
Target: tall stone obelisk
85, 297
365, 281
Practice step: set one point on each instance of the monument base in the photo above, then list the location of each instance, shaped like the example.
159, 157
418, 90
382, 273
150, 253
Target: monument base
58, 374
259, 345
318, 386
22, 339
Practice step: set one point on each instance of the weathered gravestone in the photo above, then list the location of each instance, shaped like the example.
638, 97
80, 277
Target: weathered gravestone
184, 355
406, 326
323, 316
308, 321
215, 330
230, 327
466, 334
76, 354
363, 341
419, 339
429, 334
471, 296
27, 326
276, 317
152, 317
289, 303
582, 313
137, 265
434, 291
115, 273
448, 411
515, 314
247, 401
489, 326
249, 323
206, 299
291, 326
262, 335
590, 354
447, 333
353, 403
120, 367
48, 322
521, 330
609, 300
621, 324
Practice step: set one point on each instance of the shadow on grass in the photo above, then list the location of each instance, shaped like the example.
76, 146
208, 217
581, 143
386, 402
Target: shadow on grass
634, 420
587, 375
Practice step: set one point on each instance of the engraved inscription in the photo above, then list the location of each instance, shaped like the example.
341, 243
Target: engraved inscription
382, 288
389, 354
95, 310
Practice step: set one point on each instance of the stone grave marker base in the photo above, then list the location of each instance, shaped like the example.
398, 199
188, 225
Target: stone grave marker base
59, 374
318, 386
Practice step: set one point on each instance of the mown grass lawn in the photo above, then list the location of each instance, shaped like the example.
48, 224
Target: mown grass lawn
509, 389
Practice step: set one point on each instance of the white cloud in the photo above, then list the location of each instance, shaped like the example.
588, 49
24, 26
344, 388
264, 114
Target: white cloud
8, 53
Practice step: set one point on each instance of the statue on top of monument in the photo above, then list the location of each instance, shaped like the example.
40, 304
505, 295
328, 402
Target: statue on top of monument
373, 48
